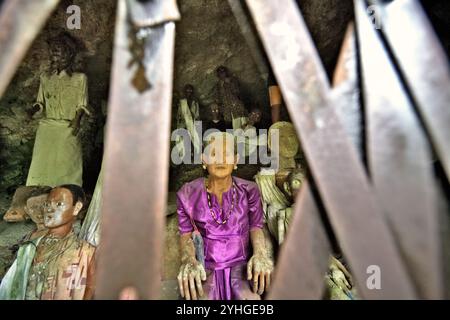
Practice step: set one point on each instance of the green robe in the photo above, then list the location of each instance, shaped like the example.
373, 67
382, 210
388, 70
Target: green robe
57, 155
14, 283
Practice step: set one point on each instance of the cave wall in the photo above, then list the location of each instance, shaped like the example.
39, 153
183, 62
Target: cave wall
207, 37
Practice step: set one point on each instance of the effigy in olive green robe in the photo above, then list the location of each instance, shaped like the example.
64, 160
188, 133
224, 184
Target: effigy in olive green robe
57, 155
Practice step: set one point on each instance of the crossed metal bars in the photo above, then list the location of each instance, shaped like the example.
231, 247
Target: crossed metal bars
386, 216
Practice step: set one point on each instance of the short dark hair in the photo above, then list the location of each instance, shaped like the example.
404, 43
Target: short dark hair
72, 46
76, 191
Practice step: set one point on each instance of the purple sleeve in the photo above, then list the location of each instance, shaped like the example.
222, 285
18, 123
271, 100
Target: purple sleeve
255, 208
184, 221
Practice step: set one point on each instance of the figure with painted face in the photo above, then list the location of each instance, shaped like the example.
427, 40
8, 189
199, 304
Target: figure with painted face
63, 100
228, 97
57, 265
225, 253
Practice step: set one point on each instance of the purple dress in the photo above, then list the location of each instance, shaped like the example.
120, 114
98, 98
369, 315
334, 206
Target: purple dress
227, 246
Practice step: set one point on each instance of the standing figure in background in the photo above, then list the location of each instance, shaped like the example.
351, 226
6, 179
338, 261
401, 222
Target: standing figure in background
248, 134
188, 113
229, 100
192, 102
63, 98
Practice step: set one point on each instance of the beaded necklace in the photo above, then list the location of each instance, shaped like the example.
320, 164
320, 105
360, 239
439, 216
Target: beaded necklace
211, 211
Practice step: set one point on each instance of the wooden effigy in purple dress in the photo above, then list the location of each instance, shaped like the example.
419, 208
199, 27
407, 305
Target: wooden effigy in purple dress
226, 233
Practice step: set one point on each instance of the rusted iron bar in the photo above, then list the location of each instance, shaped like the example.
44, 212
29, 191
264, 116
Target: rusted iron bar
20, 23
424, 65
305, 253
400, 162
359, 224
309, 248
137, 156
345, 91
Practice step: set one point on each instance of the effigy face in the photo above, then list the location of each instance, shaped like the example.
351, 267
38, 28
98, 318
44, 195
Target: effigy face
188, 90
62, 51
59, 208
35, 209
59, 55
288, 141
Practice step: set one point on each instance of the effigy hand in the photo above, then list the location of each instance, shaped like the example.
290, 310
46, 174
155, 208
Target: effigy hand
259, 269
339, 275
190, 279
75, 125
338, 280
30, 112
